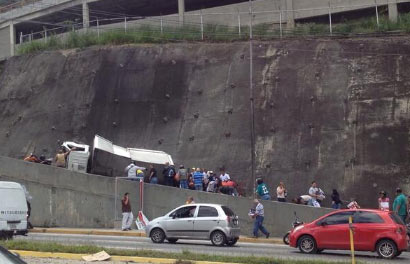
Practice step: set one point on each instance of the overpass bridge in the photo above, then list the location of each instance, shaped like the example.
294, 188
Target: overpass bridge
38, 15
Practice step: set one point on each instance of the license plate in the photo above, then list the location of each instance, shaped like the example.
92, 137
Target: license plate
13, 226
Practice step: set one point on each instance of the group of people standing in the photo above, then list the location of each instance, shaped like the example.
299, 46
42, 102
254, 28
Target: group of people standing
186, 178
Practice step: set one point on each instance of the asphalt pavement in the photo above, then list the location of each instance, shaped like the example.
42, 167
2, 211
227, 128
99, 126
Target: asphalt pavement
241, 249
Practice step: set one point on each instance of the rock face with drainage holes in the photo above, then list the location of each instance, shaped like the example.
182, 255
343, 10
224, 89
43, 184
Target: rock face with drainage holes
360, 110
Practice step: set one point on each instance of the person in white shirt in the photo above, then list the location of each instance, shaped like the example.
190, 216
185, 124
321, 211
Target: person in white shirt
131, 170
224, 176
316, 193
259, 217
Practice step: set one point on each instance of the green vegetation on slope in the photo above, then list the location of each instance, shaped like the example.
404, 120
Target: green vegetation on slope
185, 255
151, 34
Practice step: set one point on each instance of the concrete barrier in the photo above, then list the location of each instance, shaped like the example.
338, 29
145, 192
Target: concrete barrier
69, 199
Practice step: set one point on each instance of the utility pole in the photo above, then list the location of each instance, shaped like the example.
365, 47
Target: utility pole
252, 117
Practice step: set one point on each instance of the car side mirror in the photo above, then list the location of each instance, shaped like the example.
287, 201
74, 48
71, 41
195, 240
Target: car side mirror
323, 223
174, 216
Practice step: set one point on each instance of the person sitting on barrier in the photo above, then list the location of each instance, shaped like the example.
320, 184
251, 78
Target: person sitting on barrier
32, 158
132, 169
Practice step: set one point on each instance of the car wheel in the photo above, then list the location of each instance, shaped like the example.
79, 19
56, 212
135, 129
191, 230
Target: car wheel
232, 242
307, 244
386, 249
157, 235
172, 240
286, 238
218, 238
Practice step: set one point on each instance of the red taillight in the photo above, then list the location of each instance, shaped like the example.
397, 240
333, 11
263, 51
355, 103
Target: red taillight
228, 218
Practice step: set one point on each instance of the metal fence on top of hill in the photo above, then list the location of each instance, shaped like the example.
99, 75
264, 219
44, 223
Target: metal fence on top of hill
207, 26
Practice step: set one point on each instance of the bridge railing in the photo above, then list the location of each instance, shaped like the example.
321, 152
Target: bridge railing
17, 4
198, 26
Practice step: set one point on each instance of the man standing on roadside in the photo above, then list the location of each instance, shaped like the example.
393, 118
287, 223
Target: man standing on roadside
131, 170
198, 178
259, 217
183, 177
126, 213
169, 173
153, 175
400, 205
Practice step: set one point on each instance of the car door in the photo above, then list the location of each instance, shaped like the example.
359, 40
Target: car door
366, 227
332, 232
206, 220
180, 223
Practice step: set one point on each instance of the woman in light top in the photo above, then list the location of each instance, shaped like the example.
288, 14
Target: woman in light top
384, 201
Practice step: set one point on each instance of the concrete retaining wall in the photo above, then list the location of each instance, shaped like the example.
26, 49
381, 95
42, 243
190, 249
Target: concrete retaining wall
4, 42
69, 199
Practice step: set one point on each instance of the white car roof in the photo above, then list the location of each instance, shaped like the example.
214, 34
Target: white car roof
207, 204
10, 185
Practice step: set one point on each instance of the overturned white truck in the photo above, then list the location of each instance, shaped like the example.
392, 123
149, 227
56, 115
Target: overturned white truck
108, 159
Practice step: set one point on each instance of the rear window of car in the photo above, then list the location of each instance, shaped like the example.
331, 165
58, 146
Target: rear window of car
367, 217
396, 219
228, 211
207, 211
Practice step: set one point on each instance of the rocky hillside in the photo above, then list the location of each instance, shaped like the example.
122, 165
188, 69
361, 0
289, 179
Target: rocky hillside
336, 110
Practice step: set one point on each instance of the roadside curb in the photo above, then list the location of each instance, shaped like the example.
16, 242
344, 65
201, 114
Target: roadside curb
71, 256
99, 232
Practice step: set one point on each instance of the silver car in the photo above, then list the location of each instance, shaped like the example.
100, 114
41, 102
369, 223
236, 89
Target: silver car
212, 222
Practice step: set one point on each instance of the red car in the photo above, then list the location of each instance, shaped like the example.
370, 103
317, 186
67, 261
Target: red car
374, 230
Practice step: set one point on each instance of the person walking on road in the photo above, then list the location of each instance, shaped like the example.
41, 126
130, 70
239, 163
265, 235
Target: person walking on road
400, 205
127, 215
262, 190
259, 215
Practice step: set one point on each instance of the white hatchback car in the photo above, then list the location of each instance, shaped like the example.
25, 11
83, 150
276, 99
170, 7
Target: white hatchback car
201, 221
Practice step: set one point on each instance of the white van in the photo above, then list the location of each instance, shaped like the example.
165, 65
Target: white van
13, 209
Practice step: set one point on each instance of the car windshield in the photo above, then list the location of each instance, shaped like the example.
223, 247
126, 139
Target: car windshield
7, 257
228, 211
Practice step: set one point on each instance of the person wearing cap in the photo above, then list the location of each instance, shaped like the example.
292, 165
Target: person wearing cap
384, 201
400, 205
259, 215
183, 177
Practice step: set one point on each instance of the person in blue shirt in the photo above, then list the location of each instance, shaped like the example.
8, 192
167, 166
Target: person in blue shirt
198, 178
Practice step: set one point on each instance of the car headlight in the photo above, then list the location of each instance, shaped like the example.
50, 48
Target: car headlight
298, 228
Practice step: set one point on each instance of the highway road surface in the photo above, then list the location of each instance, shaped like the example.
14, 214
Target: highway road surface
241, 249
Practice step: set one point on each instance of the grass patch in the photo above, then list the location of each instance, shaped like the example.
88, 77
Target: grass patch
182, 258
211, 32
